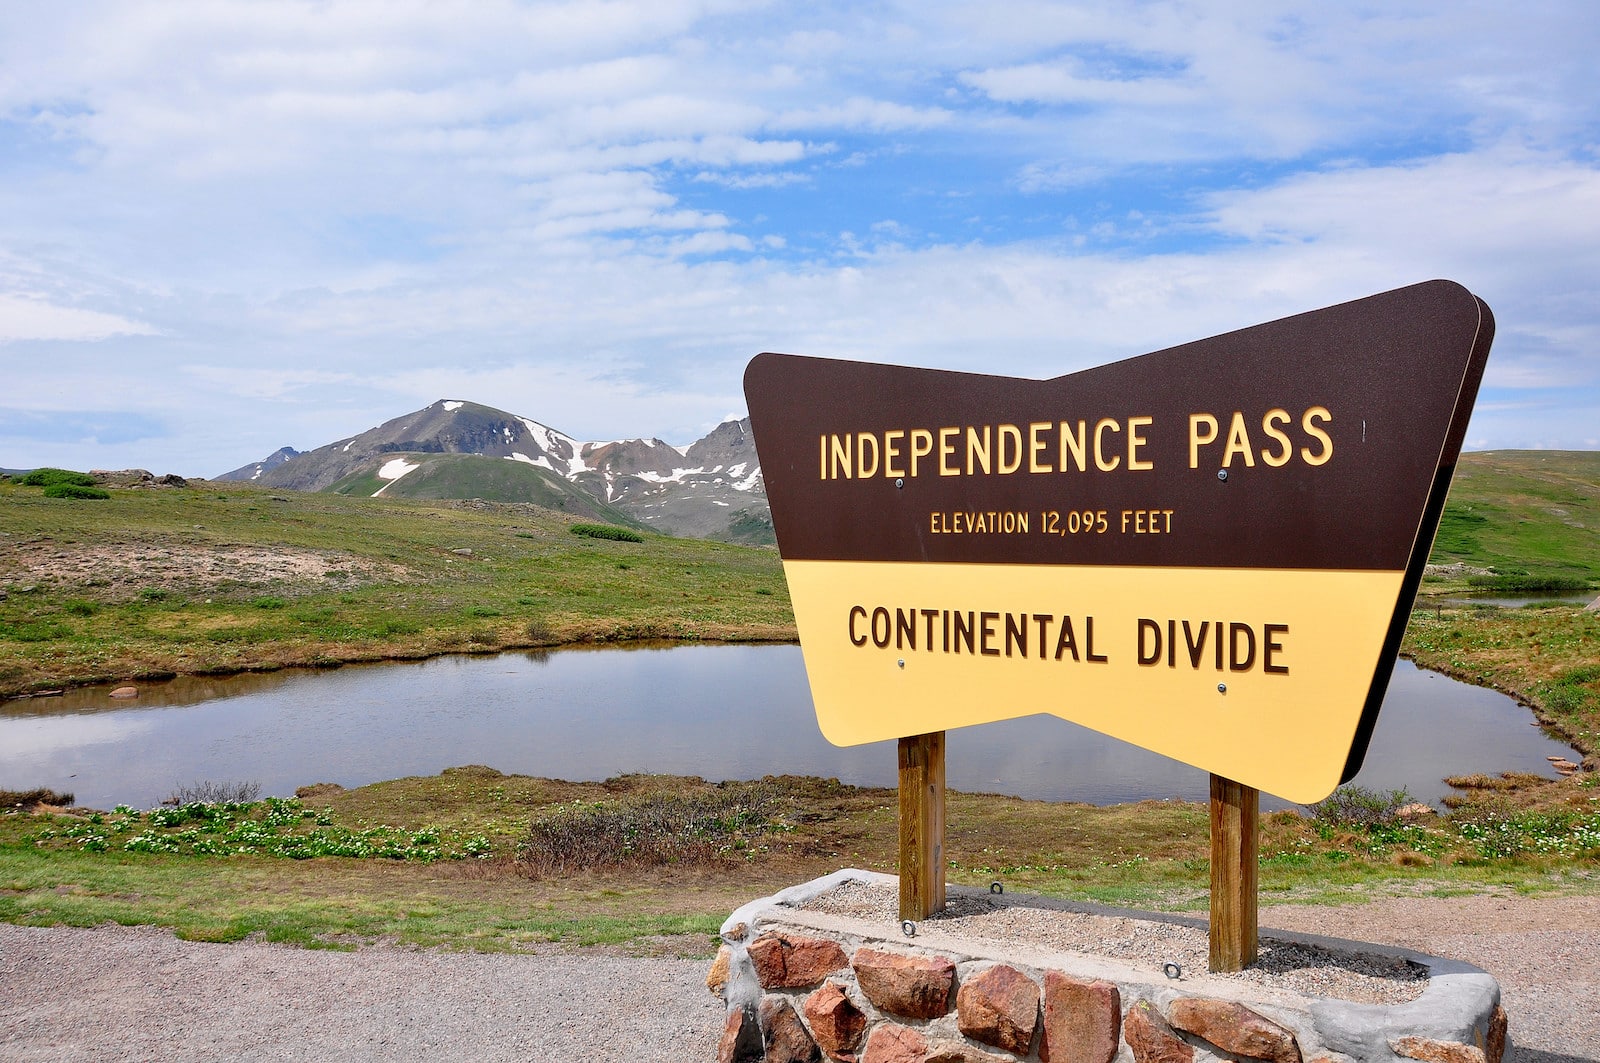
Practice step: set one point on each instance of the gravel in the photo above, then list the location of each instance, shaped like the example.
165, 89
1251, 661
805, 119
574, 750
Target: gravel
119, 993
1545, 952
1146, 945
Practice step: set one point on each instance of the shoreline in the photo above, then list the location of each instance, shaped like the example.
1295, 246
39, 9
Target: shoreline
331, 662
1585, 743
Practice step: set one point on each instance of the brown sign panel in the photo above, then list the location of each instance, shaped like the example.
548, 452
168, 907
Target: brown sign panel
1209, 551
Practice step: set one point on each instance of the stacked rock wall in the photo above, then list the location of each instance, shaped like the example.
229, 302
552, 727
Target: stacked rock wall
805, 994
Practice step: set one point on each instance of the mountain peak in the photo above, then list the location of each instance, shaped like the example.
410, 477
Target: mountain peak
711, 488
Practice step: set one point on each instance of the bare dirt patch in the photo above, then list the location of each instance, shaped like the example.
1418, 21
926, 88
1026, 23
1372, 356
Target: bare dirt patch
187, 565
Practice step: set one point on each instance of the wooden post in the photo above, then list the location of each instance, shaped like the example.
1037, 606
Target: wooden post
921, 825
1235, 842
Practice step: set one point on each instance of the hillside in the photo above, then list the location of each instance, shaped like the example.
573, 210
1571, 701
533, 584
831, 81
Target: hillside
166, 577
444, 476
214, 577
1524, 513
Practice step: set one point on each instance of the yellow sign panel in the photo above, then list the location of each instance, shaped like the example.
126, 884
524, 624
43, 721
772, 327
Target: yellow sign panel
1230, 667
1209, 551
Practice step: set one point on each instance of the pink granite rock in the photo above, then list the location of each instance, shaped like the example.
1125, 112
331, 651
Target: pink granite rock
916, 987
1082, 1020
1152, 1038
836, 1023
999, 1007
957, 1052
783, 962
1234, 1028
1494, 1048
741, 1039
810, 960
784, 1034
1426, 1048
893, 1043
717, 977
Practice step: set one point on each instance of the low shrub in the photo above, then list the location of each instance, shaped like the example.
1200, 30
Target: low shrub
75, 491
31, 798
606, 531
1522, 582
208, 792
51, 477
1356, 807
647, 830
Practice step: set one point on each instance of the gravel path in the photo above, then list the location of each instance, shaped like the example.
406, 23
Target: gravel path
118, 993
1544, 951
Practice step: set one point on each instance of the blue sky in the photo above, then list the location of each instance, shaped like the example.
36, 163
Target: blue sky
227, 227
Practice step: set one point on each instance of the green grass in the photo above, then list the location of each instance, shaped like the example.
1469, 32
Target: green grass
51, 477
1548, 658
607, 531
400, 578
475, 476
321, 904
74, 491
1525, 513
671, 856
276, 826
189, 581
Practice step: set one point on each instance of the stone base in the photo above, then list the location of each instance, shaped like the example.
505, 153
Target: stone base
807, 980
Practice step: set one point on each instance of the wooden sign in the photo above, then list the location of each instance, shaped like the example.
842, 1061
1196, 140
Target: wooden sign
1209, 551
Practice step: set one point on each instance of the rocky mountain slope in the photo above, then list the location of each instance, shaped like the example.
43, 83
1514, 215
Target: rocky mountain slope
254, 470
454, 449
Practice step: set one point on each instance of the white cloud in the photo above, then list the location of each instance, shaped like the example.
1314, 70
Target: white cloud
1062, 83
862, 113
266, 221
24, 317
755, 180
252, 383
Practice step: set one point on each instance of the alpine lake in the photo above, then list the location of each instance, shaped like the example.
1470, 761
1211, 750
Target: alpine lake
713, 710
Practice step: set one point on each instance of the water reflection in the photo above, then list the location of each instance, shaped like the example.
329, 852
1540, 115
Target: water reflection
715, 711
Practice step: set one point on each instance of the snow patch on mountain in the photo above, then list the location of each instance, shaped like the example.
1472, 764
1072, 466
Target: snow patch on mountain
674, 477
706, 488
392, 470
541, 461
560, 447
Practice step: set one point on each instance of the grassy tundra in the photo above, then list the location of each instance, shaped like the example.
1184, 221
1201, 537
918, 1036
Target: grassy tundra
224, 578
214, 578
